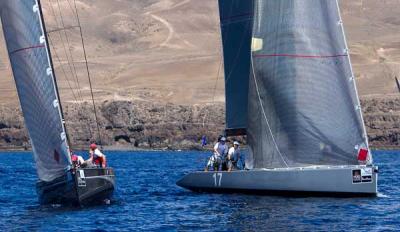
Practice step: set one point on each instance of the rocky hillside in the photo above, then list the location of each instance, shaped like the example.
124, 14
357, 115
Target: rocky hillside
382, 118
126, 125
140, 125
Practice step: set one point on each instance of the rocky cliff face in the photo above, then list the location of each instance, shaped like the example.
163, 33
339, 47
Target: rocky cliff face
12, 132
126, 125
151, 125
382, 118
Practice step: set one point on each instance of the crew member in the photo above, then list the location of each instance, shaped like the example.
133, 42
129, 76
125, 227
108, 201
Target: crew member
77, 160
97, 158
217, 160
233, 157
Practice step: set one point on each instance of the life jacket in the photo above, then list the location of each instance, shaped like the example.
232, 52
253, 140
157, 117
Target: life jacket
97, 159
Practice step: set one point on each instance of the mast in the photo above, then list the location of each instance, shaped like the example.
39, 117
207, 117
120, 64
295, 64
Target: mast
60, 109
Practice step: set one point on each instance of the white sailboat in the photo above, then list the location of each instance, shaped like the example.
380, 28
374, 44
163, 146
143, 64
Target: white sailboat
30, 58
290, 88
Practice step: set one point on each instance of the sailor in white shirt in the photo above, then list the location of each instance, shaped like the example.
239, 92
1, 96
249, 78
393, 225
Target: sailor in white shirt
220, 152
233, 156
218, 158
97, 158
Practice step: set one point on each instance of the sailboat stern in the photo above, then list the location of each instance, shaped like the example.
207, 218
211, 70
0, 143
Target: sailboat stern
94, 184
81, 186
58, 191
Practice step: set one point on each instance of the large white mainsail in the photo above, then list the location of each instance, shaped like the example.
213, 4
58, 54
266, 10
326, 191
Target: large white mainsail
303, 104
31, 63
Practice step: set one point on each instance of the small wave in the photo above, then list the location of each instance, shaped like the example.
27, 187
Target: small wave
147, 198
382, 195
56, 206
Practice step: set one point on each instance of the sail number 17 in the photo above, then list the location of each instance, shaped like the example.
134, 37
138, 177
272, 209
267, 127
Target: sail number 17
217, 179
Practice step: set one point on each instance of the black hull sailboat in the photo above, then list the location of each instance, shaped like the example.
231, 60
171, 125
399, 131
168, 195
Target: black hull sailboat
60, 182
81, 186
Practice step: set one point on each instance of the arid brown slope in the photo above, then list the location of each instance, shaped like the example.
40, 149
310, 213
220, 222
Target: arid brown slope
150, 50
169, 50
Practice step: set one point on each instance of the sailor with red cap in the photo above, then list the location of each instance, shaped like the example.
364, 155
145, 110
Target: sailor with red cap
97, 158
77, 160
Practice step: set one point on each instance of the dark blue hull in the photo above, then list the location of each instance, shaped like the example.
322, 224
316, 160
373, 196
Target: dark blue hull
78, 187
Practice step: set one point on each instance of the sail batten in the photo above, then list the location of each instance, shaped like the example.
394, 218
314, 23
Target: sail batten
30, 60
303, 105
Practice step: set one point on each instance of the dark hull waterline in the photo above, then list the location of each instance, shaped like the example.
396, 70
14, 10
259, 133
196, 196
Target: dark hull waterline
78, 187
281, 192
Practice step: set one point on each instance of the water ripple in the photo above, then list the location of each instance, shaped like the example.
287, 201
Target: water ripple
147, 198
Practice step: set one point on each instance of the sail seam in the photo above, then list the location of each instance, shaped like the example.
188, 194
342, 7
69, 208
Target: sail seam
264, 114
233, 18
27, 48
299, 56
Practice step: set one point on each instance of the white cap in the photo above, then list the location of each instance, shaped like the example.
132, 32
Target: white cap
236, 143
223, 139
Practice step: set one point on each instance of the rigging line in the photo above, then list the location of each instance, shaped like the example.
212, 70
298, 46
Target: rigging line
263, 112
215, 88
70, 7
69, 45
59, 59
61, 29
218, 74
216, 81
61, 40
62, 68
72, 27
222, 41
88, 74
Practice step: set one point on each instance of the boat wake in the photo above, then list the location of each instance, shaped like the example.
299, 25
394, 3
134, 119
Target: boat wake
382, 195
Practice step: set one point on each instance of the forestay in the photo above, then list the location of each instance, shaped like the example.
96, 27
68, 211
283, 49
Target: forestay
236, 23
303, 104
30, 61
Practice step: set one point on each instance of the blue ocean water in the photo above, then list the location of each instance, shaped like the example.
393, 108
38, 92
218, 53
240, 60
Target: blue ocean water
147, 198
